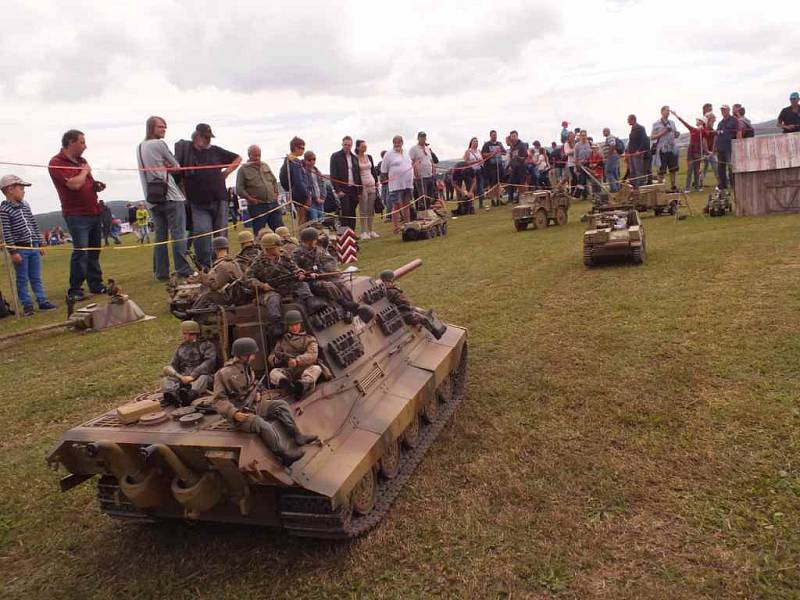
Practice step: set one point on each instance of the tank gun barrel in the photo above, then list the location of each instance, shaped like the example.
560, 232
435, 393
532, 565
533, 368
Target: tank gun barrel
407, 268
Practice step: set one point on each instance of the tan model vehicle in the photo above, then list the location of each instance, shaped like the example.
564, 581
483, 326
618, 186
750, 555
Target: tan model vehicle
614, 233
394, 387
428, 224
653, 197
541, 208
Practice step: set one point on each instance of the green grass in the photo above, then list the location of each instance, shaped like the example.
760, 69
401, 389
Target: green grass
629, 432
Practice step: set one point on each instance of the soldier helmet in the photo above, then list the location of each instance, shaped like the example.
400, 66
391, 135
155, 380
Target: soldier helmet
292, 316
309, 234
220, 242
245, 235
262, 232
387, 275
244, 346
283, 231
270, 240
190, 327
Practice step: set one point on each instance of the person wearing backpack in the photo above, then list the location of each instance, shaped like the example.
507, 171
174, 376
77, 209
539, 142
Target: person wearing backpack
613, 148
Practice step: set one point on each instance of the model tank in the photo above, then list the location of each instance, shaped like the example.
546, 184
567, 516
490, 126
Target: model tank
428, 224
541, 208
614, 233
394, 387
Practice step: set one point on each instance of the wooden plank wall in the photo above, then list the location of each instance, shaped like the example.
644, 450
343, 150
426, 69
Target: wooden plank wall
766, 152
768, 192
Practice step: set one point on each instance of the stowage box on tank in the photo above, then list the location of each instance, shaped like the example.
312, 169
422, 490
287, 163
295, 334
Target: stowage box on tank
393, 389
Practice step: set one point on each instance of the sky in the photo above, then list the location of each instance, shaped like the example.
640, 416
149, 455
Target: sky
262, 72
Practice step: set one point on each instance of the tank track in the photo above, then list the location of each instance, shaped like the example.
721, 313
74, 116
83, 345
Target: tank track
307, 515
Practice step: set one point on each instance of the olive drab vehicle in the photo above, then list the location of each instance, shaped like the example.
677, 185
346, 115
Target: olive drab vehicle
614, 233
393, 387
428, 224
541, 209
719, 203
654, 197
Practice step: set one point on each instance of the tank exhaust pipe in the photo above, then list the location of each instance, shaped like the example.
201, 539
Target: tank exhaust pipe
143, 486
196, 493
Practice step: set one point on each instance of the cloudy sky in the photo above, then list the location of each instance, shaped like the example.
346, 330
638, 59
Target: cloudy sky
261, 72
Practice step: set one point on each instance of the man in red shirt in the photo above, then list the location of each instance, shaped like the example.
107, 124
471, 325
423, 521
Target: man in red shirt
694, 155
77, 191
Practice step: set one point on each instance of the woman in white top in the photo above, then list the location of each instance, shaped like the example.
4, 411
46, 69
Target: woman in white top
400, 173
369, 191
473, 157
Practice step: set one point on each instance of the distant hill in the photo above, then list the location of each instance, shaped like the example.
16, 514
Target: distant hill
51, 219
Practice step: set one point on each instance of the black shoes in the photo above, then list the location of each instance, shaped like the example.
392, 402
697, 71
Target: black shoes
302, 439
292, 456
47, 306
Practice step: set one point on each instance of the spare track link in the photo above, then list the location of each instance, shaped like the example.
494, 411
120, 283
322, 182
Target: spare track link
307, 515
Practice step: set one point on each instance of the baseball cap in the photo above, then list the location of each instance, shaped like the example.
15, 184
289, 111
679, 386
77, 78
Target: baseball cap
564, 123
794, 95
8, 180
204, 129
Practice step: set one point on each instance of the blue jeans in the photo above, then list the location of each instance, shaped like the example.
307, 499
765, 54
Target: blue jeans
273, 219
84, 265
386, 198
169, 222
205, 219
315, 211
30, 271
612, 172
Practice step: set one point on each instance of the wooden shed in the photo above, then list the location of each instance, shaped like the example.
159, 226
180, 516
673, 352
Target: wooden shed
767, 174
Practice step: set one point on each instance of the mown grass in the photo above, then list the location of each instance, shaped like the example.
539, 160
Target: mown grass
629, 432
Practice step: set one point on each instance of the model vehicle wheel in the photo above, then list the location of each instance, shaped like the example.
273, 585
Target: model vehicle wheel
588, 259
561, 216
410, 235
673, 207
365, 494
521, 225
389, 464
431, 409
410, 437
637, 255
540, 219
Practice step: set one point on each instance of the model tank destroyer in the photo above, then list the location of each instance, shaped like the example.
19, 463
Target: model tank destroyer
392, 390
614, 233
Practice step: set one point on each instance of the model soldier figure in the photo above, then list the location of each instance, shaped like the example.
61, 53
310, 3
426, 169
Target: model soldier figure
411, 314
249, 251
223, 272
288, 243
189, 373
294, 359
274, 275
238, 399
317, 263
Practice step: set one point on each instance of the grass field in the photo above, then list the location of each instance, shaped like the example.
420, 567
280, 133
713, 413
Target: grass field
629, 432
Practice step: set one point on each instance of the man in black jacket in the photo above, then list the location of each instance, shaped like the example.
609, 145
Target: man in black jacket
346, 179
638, 146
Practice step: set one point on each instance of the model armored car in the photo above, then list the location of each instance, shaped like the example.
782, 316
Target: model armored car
541, 208
394, 386
614, 233
428, 224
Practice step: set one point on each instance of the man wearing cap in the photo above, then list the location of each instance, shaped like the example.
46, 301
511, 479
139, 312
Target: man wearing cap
423, 159
258, 186
238, 399
249, 251
220, 276
77, 191
189, 373
293, 361
205, 187
346, 179
789, 118
726, 133
21, 230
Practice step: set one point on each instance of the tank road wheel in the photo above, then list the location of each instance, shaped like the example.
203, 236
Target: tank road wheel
521, 225
410, 437
410, 235
540, 220
389, 465
430, 410
638, 254
588, 259
365, 494
561, 216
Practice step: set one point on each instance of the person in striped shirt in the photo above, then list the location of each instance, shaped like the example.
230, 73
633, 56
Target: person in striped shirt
21, 231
